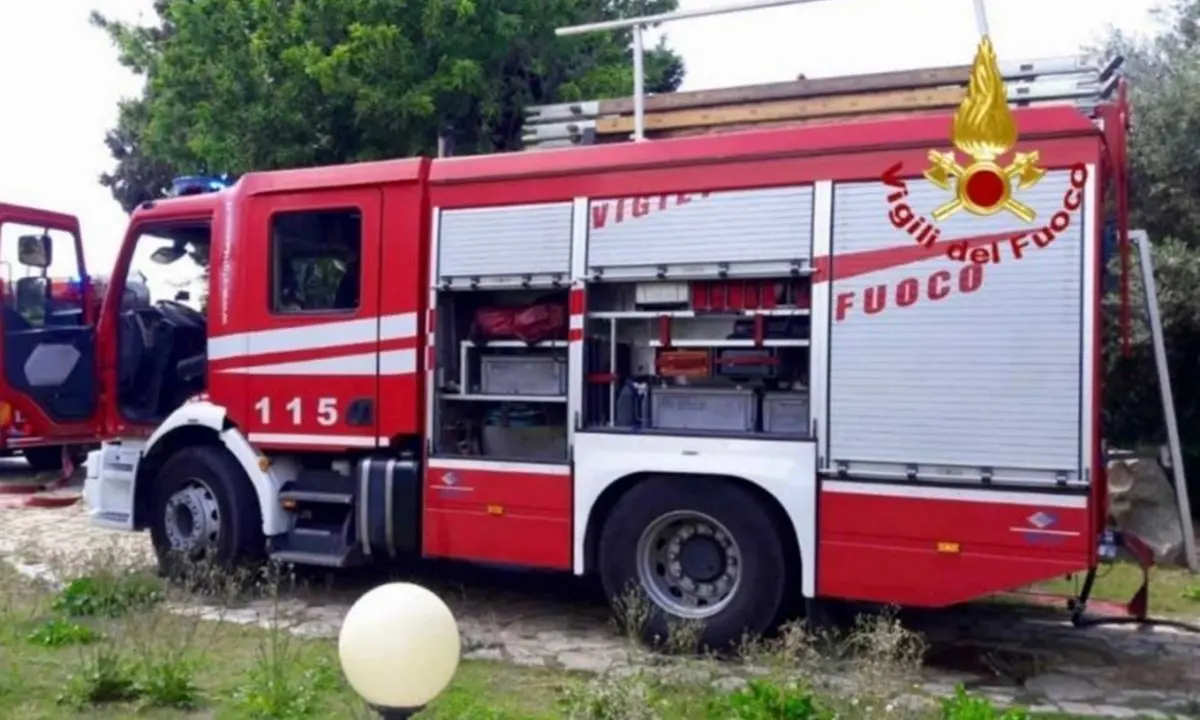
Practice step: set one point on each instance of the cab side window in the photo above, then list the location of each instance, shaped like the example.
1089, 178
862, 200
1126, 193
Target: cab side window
35, 297
316, 261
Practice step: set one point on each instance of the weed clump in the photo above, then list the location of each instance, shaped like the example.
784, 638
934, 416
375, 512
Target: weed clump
60, 632
108, 595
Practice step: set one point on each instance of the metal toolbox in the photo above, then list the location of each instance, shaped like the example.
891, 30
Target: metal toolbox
538, 375
785, 412
694, 408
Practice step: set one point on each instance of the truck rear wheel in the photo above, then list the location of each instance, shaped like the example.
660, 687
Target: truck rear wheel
699, 550
44, 459
47, 459
204, 510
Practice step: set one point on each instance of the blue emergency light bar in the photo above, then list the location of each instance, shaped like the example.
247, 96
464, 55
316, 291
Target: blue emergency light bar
199, 184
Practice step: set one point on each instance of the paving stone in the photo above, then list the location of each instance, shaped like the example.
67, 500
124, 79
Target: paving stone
583, 661
485, 654
1063, 687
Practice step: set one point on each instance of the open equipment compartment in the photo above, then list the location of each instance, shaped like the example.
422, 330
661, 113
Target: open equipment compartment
501, 317
691, 332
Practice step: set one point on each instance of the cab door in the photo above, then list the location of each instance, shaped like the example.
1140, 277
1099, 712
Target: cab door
47, 325
303, 370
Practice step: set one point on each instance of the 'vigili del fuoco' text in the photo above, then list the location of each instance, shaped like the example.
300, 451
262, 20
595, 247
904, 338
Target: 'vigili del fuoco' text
926, 233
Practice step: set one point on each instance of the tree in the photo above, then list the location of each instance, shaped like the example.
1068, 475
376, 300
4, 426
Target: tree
137, 177
238, 85
1164, 87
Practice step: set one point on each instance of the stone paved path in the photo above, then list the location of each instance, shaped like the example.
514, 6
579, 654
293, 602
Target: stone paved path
1012, 654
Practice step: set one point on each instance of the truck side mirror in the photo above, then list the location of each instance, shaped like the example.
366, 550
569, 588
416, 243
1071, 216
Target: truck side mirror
183, 296
35, 251
32, 295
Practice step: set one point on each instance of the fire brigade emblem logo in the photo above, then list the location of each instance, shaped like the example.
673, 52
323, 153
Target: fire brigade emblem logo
984, 130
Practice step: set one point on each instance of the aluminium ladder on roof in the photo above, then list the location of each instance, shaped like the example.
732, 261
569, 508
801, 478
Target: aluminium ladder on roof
1083, 82
1068, 80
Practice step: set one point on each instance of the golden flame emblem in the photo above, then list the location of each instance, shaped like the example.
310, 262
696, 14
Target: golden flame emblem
984, 130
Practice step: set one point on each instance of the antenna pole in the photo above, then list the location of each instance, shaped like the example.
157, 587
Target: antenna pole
981, 22
639, 26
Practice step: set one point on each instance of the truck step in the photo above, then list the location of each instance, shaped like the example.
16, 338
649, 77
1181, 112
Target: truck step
315, 546
321, 482
340, 521
317, 496
306, 558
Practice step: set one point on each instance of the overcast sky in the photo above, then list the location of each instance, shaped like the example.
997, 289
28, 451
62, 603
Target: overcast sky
61, 81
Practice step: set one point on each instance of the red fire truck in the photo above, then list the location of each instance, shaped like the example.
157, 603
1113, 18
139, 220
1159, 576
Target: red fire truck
726, 369
40, 315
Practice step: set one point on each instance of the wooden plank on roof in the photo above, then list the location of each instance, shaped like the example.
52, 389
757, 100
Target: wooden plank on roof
742, 127
757, 114
793, 89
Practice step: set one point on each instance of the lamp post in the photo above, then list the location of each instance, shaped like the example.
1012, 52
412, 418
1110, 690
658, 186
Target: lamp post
399, 648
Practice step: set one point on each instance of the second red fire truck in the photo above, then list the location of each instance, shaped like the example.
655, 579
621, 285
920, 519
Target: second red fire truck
735, 370
45, 309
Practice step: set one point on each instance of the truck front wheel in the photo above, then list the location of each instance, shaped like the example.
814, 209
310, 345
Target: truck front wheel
699, 550
203, 509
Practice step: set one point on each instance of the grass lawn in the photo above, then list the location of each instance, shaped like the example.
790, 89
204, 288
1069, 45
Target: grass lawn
142, 661
1173, 591
107, 647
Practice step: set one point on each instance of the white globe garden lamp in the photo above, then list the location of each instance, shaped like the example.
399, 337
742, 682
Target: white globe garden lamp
399, 648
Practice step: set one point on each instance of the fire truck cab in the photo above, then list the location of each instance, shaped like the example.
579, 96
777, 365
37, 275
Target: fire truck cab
720, 369
48, 399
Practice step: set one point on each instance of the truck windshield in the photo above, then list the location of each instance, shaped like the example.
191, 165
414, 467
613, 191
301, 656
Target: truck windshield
169, 264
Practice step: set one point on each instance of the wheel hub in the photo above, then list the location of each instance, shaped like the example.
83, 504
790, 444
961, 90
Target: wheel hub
192, 518
689, 564
702, 558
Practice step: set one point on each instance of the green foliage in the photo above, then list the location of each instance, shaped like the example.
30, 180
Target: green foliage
963, 706
58, 632
137, 177
108, 595
238, 85
635, 697
1164, 166
1133, 405
103, 676
1164, 82
169, 682
761, 700
283, 684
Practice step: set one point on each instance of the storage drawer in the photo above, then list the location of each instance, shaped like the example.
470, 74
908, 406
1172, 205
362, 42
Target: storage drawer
785, 412
508, 513
522, 375
716, 409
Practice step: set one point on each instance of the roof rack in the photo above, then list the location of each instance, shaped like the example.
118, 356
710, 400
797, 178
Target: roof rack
1081, 81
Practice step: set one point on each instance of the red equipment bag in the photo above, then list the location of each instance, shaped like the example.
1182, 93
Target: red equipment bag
530, 324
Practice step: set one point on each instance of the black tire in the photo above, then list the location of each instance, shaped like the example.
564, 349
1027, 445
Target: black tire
44, 459
758, 602
239, 541
47, 459
78, 454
